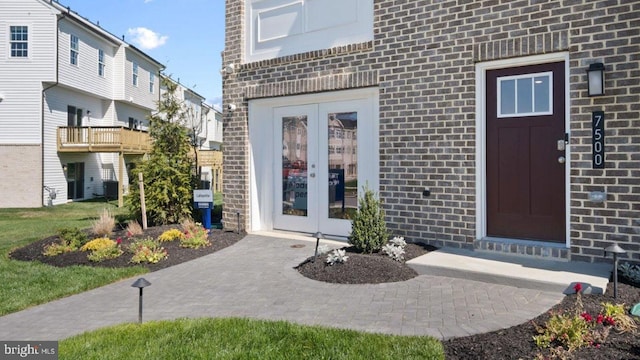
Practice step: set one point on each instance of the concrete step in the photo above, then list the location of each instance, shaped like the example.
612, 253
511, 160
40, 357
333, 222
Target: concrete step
518, 271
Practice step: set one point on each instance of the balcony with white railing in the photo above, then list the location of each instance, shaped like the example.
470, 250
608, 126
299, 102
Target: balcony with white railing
94, 139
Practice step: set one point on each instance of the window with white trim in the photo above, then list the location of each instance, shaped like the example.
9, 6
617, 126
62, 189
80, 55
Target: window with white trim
135, 74
525, 95
101, 64
152, 82
74, 50
19, 41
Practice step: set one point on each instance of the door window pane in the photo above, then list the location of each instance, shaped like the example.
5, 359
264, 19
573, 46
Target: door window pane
294, 165
542, 93
343, 165
508, 97
525, 95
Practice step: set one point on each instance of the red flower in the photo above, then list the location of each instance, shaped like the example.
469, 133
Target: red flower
129, 234
119, 241
608, 320
600, 318
577, 287
586, 316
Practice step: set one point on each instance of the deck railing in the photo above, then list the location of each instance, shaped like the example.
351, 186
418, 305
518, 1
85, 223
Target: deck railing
103, 139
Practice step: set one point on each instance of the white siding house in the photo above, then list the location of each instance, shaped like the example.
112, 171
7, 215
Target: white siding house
74, 101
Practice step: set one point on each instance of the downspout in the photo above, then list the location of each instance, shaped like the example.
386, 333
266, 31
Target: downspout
43, 100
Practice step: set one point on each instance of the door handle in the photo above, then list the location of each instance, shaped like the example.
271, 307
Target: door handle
561, 159
312, 175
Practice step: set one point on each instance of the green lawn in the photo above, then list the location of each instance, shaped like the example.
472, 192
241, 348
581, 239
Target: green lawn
25, 284
242, 339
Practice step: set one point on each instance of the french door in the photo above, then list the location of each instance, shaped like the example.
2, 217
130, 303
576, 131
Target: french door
320, 164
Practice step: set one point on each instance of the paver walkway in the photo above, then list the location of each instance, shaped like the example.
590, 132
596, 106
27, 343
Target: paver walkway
255, 278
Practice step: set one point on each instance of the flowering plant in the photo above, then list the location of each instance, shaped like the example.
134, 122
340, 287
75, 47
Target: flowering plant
147, 250
195, 238
570, 331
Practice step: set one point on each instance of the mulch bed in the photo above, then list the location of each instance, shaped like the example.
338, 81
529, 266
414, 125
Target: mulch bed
361, 268
517, 343
219, 240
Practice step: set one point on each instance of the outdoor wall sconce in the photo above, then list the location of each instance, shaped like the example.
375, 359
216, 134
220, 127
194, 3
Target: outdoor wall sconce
141, 283
595, 75
318, 235
228, 69
615, 250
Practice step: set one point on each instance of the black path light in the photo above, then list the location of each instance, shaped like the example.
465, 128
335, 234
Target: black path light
318, 235
141, 283
615, 250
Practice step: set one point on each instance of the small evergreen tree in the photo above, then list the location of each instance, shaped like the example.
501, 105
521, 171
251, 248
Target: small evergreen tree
369, 230
168, 180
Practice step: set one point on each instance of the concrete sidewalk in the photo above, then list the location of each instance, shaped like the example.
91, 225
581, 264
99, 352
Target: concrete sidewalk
255, 278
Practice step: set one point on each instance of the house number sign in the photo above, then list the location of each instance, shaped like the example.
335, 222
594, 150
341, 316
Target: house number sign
597, 120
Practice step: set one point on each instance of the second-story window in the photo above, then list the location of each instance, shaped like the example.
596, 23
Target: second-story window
74, 50
101, 64
135, 74
152, 81
19, 41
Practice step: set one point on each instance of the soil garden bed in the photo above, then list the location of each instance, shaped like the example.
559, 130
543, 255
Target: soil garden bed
511, 343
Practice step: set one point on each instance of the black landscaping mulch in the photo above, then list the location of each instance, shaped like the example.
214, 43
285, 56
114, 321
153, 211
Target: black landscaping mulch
361, 268
513, 343
219, 240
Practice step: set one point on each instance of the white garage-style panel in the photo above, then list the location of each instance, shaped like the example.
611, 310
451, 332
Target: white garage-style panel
285, 27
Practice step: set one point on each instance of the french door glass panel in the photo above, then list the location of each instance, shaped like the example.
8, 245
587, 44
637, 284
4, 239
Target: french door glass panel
294, 165
343, 164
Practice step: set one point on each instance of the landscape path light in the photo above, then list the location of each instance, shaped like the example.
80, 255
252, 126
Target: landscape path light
318, 235
141, 283
615, 250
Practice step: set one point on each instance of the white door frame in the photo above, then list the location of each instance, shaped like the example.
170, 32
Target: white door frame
481, 134
261, 142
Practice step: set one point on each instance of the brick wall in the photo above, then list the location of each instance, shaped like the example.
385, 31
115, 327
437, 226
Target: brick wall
21, 176
423, 61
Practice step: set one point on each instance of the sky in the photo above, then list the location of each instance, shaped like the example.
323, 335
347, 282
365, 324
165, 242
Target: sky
187, 36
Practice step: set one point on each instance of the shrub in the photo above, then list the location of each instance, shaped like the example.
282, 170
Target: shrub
189, 225
134, 228
72, 237
195, 239
104, 225
171, 235
105, 253
616, 315
54, 249
369, 230
97, 244
567, 330
148, 251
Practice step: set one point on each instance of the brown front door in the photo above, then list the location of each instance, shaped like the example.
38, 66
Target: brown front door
525, 152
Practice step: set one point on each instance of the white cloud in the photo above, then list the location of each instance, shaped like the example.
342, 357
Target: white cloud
147, 1
146, 39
